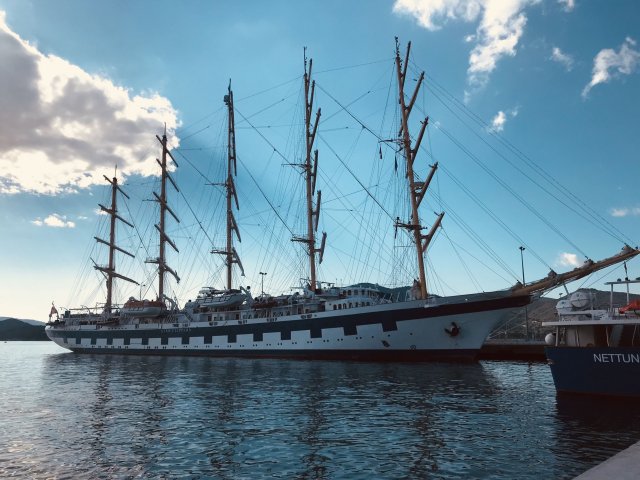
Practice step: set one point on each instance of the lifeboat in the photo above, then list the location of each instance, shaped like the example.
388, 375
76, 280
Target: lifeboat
220, 298
142, 308
633, 306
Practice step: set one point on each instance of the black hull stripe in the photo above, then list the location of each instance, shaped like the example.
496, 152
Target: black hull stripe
457, 355
349, 323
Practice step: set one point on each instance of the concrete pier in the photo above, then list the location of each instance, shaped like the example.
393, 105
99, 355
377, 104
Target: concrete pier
622, 466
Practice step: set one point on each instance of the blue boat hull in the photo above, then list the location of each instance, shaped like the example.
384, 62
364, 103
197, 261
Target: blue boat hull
613, 371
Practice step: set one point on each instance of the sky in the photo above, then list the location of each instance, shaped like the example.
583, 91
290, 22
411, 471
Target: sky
533, 118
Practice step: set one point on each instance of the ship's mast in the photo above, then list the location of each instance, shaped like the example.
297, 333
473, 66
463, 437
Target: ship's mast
110, 270
164, 208
230, 252
417, 189
310, 168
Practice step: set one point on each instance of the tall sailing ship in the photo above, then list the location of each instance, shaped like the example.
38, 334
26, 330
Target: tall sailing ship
321, 320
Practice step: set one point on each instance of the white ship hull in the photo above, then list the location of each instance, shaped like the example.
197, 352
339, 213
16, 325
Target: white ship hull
450, 328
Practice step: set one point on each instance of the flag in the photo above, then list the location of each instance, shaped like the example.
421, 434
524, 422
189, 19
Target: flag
53, 311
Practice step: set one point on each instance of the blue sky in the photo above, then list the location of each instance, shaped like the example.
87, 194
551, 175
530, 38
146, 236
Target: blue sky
87, 85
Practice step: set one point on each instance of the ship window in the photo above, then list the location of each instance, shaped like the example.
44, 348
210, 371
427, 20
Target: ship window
335, 307
340, 307
350, 305
348, 292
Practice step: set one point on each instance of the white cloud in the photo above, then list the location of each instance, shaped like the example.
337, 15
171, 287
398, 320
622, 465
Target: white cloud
500, 119
497, 124
568, 260
428, 12
61, 127
562, 58
501, 24
609, 64
624, 212
499, 31
567, 5
54, 220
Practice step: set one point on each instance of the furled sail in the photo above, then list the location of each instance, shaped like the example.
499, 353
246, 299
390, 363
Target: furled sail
556, 279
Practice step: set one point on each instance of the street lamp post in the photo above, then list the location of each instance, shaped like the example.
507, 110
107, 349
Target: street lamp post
526, 311
262, 274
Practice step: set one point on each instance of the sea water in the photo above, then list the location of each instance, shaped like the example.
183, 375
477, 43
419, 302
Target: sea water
65, 415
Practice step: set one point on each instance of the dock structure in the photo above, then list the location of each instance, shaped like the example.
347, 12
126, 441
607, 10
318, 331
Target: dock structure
622, 466
513, 350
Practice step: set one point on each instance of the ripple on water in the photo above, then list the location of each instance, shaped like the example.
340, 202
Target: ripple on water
92, 416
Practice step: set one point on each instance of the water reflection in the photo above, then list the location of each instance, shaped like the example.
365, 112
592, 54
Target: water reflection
312, 396
100, 414
590, 429
320, 417
119, 416
221, 402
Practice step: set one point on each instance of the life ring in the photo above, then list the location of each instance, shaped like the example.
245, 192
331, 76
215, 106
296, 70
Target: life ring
454, 330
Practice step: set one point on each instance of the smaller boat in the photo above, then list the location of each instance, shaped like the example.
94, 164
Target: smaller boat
211, 298
595, 350
142, 308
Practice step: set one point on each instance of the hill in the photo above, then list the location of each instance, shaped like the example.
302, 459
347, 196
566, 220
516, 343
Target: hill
37, 323
14, 329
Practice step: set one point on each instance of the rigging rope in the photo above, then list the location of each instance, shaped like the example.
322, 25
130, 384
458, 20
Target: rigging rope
482, 205
528, 161
344, 107
348, 67
488, 267
477, 238
264, 195
591, 220
265, 109
509, 189
355, 177
261, 135
295, 79
187, 202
